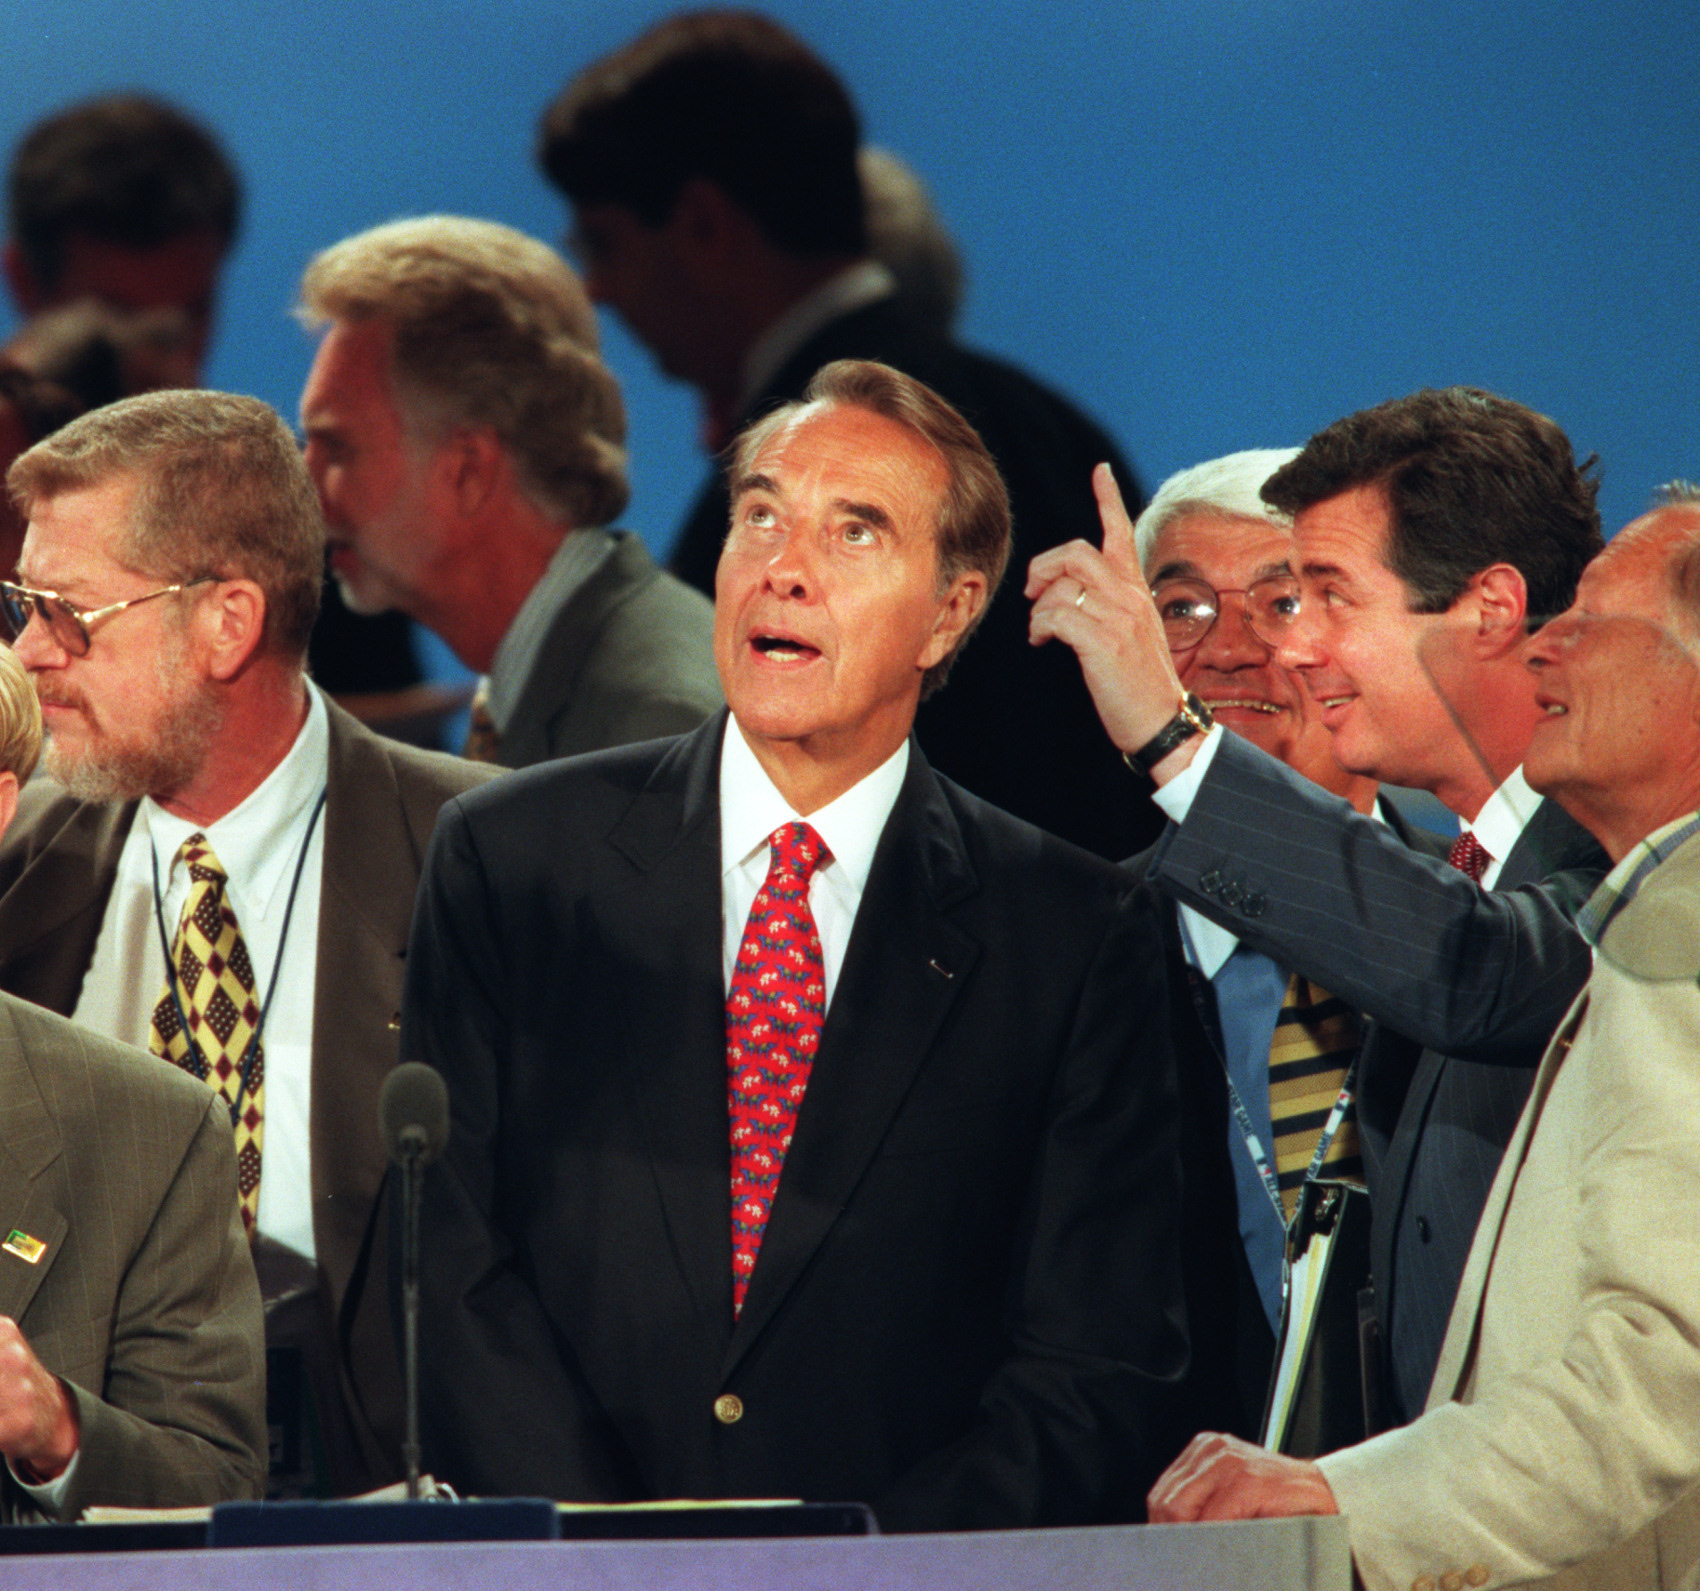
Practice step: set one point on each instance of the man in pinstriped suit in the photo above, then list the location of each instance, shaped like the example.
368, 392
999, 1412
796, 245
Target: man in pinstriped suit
1431, 534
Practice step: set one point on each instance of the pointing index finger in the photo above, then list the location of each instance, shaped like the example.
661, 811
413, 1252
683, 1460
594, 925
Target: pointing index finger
1118, 528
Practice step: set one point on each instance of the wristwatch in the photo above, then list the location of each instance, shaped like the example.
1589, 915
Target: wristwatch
1194, 718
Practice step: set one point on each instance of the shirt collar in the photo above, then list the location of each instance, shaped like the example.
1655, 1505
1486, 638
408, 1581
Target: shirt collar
1504, 816
579, 556
256, 841
1623, 883
751, 808
865, 282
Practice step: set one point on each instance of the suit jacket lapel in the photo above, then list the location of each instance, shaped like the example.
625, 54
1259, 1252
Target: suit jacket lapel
902, 970
1457, 1353
366, 905
560, 660
50, 918
30, 1202
660, 944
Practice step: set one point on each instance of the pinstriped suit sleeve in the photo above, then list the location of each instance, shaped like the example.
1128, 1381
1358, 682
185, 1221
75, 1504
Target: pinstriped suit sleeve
1411, 942
179, 1417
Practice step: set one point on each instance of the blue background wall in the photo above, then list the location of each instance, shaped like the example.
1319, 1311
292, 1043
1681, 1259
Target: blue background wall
1218, 224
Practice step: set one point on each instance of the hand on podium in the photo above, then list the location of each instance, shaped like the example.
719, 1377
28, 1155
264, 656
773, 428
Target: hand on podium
1221, 1477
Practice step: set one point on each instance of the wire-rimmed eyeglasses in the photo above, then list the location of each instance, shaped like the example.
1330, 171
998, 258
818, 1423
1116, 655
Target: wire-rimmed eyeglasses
1189, 608
68, 625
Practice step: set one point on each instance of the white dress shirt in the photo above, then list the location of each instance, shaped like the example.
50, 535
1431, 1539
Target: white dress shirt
751, 808
259, 844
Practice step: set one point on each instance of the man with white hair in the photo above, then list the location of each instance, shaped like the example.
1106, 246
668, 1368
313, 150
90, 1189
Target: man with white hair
465, 440
1261, 1051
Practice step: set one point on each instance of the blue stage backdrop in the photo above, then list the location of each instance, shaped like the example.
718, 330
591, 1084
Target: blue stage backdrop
1217, 224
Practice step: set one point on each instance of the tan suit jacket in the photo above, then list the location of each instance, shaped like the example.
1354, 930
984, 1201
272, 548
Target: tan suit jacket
57, 866
143, 1298
1561, 1441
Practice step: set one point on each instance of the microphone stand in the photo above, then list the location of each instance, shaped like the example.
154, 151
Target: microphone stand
412, 1144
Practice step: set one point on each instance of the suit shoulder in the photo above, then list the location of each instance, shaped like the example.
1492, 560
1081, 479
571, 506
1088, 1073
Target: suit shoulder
48, 813
1004, 847
421, 774
84, 1075
582, 786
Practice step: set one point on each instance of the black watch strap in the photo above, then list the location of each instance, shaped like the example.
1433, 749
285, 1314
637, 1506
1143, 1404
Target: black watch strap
1194, 718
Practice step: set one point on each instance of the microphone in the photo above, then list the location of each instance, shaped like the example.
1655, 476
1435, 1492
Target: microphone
413, 1115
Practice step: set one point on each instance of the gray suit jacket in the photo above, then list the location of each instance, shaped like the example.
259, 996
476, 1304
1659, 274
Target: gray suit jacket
57, 866
143, 1299
630, 657
1464, 988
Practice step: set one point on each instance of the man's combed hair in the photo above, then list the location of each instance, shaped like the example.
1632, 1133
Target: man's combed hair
1230, 486
20, 718
125, 169
1470, 479
974, 529
491, 328
728, 96
221, 490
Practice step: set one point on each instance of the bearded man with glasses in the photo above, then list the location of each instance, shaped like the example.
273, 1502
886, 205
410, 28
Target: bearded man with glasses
199, 785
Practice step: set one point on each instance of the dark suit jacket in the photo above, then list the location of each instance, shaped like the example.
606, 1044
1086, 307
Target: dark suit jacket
1233, 1349
967, 1299
1465, 987
630, 657
1016, 724
143, 1300
57, 867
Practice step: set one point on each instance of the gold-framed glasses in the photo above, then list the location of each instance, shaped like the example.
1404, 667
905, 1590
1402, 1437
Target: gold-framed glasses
1189, 609
69, 626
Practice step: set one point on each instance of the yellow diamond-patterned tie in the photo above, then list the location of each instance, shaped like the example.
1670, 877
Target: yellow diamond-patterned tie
215, 987
1315, 1039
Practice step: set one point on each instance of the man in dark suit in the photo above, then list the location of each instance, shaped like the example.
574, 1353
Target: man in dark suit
170, 576
1432, 533
711, 165
955, 1295
466, 444
1261, 1053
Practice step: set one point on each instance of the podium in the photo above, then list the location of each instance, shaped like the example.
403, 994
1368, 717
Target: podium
1258, 1555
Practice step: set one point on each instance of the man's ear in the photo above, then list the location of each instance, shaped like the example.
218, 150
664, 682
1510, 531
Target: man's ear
1500, 597
230, 622
473, 463
8, 798
962, 603
27, 293
707, 224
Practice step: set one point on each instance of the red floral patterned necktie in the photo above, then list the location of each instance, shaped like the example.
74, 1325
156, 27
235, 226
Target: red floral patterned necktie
774, 1012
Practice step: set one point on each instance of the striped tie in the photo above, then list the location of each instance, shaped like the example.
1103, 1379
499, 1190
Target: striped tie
1316, 1037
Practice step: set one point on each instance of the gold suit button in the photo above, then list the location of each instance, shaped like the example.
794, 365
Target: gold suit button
1476, 1574
1423, 1582
728, 1408
1452, 1580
